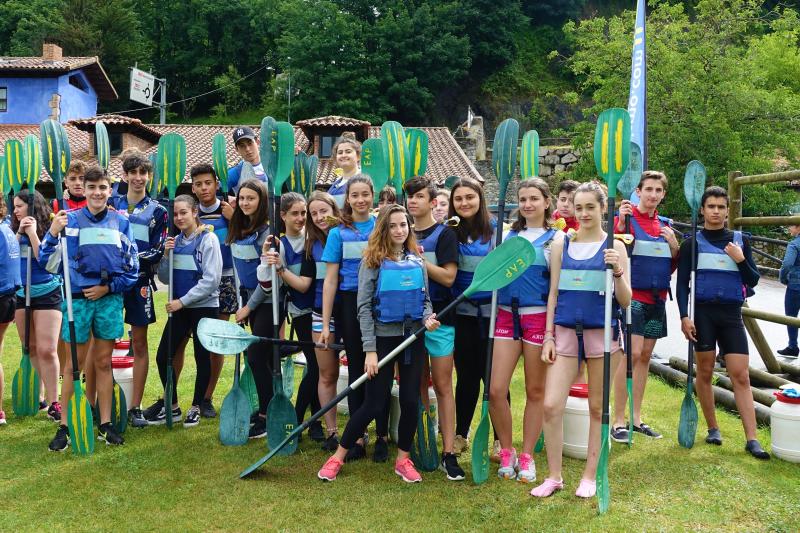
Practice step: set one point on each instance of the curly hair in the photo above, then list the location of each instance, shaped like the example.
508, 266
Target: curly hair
42, 212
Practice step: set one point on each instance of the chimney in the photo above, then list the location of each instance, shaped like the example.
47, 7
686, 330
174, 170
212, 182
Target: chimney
51, 52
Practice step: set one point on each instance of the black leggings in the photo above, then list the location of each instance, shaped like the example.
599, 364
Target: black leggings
184, 323
378, 391
469, 357
307, 394
259, 355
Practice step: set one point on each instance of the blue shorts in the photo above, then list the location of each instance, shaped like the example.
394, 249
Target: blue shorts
139, 306
103, 318
440, 342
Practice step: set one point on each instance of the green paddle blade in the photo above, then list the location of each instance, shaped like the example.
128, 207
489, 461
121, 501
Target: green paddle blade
15, 163
426, 439
171, 163
284, 155
601, 480
281, 419
102, 144
33, 162
287, 374
417, 142
687, 425
612, 146
298, 177
50, 139
694, 184
234, 418
80, 422
4, 183
248, 384
374, 165
529, 155
539, 443
504, 153
268, 147
450, 181
66, 154
219, 157
480, 447
25, 388
311, 166
119, 409
223, 337
627, 184
499, 269
394, 155
154, 186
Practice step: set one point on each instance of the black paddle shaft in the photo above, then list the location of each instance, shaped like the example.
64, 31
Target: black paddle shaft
628, 341
28, 311
487, 376
690, 350
73, 345
607, 354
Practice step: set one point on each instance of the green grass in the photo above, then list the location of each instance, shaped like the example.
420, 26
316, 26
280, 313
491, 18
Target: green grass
184, 480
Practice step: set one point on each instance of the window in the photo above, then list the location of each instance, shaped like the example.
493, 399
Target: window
326, 143
77, 81
115, 142
3, 99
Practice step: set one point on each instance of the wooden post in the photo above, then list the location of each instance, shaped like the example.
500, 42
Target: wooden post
725, 382
761, 343
735, 194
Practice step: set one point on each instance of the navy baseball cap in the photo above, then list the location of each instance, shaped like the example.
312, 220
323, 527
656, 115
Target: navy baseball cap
243, 132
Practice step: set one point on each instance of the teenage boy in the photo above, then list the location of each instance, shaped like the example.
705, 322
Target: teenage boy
653, 259
726, 274
103, 266
250, 167
565, 209
74, 184
148, 221
215, 213
439, 246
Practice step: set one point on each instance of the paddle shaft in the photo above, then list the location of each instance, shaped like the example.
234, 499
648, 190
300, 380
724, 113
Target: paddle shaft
628, 346
238, 288
73, 346
28, 310
168, 392
487, 375
692, 281
608, 305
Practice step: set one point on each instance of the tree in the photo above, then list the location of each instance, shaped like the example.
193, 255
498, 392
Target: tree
26, 23
490, 26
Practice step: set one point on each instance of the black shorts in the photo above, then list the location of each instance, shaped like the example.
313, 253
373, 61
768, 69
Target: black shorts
720, 325
8, 305
46, 302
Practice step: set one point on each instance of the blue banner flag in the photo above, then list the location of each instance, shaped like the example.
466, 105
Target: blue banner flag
637, 99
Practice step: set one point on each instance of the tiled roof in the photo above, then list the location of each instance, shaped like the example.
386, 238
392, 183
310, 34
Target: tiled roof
79, 141
333, 121
130, 124
91, 65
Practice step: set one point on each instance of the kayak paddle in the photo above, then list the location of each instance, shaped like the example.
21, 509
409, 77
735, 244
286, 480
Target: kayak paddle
373, 164
219, 158
417, 150
502, 266
311, 166
102, 144
424, 447
529, 155
223, 337
394, 155
450, 181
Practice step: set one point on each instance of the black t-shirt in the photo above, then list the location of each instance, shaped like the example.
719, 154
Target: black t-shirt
446, 252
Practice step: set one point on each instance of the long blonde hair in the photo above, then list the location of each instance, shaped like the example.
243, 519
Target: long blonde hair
380, 246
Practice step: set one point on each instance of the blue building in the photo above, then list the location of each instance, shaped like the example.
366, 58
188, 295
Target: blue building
33, 89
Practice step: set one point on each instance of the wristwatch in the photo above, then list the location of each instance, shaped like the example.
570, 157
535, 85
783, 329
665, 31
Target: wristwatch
280, 269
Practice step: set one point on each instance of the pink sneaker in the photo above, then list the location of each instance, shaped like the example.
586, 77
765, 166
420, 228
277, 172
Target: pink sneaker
330, 469
547, 488
586, 489
406, 470
508, 463
2, 417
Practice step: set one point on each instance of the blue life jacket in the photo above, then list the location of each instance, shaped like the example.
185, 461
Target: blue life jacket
99, 253
533, 286
294, 260
651, 260
718, 279
187, 264
38, 274
437, 291
400, 291
322, 269
353, 244
139, 220
246, 258
581, 291
469, 256
10, 279
220, 227
338, 190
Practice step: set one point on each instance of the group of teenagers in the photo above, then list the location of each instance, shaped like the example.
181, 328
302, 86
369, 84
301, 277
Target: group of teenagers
348, 274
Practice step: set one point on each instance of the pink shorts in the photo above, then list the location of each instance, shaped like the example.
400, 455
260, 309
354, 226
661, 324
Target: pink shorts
532, 326
567, 342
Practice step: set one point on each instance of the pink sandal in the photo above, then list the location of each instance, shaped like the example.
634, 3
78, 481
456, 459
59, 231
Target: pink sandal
547, 488
586, 489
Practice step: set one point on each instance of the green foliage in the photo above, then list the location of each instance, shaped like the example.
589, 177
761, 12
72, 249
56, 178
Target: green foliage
25, 24
722, 88
491, 26
233, 98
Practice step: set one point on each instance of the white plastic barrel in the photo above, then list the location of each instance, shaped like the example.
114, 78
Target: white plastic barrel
122, 367
576, 422
340, 386
394, 410
785, 424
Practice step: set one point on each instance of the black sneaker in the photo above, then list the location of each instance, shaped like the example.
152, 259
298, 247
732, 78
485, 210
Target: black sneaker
449, 466
192, 417
54, 412
109, 435
647, 431
136, 418
42, 405
789, 352
154, 409
753, 447
61, 441
619, 434
315, 432
714, 437
331, 444
259, 428
161, 416
358, 451
207, 409
381, 452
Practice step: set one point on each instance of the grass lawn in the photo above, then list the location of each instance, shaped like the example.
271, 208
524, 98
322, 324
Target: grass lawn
185, 480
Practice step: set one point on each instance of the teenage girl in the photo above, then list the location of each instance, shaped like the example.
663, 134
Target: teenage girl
342, 255
323, 214
442, 205
387, 311
196, 273
577, 304
296, 271
475, 240
45, 297
9, 282
519, 329
347, 153
247, 232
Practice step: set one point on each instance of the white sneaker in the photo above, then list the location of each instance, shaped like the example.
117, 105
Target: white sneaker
527, 469
508, 463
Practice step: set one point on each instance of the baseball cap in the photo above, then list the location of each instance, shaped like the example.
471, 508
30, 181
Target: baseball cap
243, 132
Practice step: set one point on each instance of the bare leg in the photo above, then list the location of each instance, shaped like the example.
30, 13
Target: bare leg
736, 365
47, 327
595, 371
506, 354
3, 328
620, 377
705, 369
328, 376
141, 360
641, 369
560, 377
101, 357
442, 371
67, 385
535, 374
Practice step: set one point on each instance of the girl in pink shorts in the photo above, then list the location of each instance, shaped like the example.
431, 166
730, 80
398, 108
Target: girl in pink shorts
575, 309
519, 330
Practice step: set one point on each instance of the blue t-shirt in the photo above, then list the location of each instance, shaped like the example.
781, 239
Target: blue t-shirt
333, 246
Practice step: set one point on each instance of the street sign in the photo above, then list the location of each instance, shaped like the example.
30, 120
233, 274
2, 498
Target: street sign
142, 86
